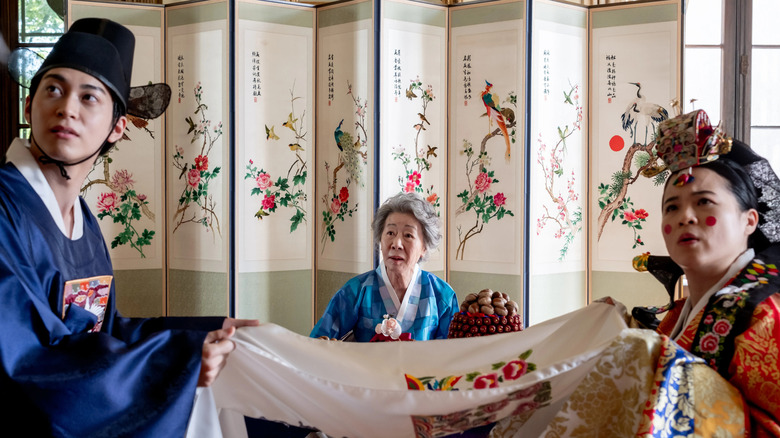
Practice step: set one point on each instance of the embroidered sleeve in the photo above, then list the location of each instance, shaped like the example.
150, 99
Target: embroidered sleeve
755, 367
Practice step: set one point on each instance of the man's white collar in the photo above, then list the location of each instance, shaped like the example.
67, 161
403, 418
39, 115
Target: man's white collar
19, 154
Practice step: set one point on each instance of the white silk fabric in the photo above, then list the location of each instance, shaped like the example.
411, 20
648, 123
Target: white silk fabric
363, 389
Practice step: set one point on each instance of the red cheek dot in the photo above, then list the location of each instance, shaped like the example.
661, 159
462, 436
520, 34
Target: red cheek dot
710, 221
668, 229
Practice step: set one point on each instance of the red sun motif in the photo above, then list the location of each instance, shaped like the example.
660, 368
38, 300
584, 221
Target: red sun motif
616, 143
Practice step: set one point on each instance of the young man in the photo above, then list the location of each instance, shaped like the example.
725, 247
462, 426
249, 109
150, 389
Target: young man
71, 366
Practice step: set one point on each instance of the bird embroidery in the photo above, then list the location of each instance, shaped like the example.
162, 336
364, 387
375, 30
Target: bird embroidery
295, 147
650, 114
290, 123
423, 119
339, 134
494, 113
431, 151
269, 133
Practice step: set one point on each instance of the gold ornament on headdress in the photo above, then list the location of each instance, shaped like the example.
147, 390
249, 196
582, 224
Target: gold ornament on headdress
688, 141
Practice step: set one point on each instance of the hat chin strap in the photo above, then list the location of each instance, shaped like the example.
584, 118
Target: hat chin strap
46, 159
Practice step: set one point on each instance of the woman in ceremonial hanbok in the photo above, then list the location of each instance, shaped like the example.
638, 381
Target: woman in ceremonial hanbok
720, 225
397, 299
714, 368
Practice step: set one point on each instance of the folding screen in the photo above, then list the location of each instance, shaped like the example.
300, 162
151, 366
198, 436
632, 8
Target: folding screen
274, 162
635, 75
558, 160
281, 214
125, 189
198, 158
413, 90
346, 146
486, 153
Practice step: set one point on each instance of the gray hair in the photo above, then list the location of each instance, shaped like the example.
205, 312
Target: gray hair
422, 210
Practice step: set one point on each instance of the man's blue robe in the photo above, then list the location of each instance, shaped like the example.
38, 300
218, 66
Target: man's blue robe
135, 377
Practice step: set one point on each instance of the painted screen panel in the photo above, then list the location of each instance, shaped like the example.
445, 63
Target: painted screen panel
274, 197
125, 188
126, 181
198, 156
558, 161
275, 144
486, 156
635, 77
345, 138
413, 155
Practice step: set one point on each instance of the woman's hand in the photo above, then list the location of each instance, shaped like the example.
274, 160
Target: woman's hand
217, 347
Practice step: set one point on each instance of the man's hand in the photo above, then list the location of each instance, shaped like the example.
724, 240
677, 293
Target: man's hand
217, 347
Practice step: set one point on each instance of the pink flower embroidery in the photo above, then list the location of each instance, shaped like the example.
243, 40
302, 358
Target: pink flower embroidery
642, 213
343, 195
107, 202
202, 162
263, 181
414, 177
495, 407
629, 216
142, 197
409, 187
709, 343
269, 202
193, 178
483, 182
486, 381
499, 199
525, 393
122, 180
526, 407
708, 319
335, 205
432, 199
514, 369
722, 327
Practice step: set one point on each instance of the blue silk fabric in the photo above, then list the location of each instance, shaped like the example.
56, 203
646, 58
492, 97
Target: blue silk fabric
136, 377
359, 306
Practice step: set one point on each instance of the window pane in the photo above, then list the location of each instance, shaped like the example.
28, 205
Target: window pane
765, 93
766, 142
38, 23
765, 13
701, 81
22, 96
703, 20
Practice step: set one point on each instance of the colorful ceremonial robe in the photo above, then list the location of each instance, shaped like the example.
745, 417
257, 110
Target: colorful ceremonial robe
737, 333
363, 301
61, 374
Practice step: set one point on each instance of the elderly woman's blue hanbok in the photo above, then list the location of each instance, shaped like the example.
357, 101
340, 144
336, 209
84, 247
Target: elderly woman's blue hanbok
363, 302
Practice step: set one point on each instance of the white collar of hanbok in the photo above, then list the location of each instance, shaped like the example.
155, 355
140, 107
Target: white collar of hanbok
19, 154
689, 312
408, 309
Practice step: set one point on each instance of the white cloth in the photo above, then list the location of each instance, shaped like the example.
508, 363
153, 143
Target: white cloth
360, 390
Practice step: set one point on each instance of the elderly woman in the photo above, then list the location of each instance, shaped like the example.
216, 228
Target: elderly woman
398, 292
720, 225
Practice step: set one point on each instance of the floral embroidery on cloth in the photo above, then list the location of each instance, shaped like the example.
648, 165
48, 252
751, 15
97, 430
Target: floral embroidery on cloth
721, 315
521, 403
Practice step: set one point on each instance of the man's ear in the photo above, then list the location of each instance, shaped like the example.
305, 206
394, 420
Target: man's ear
28, 109
117, 130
